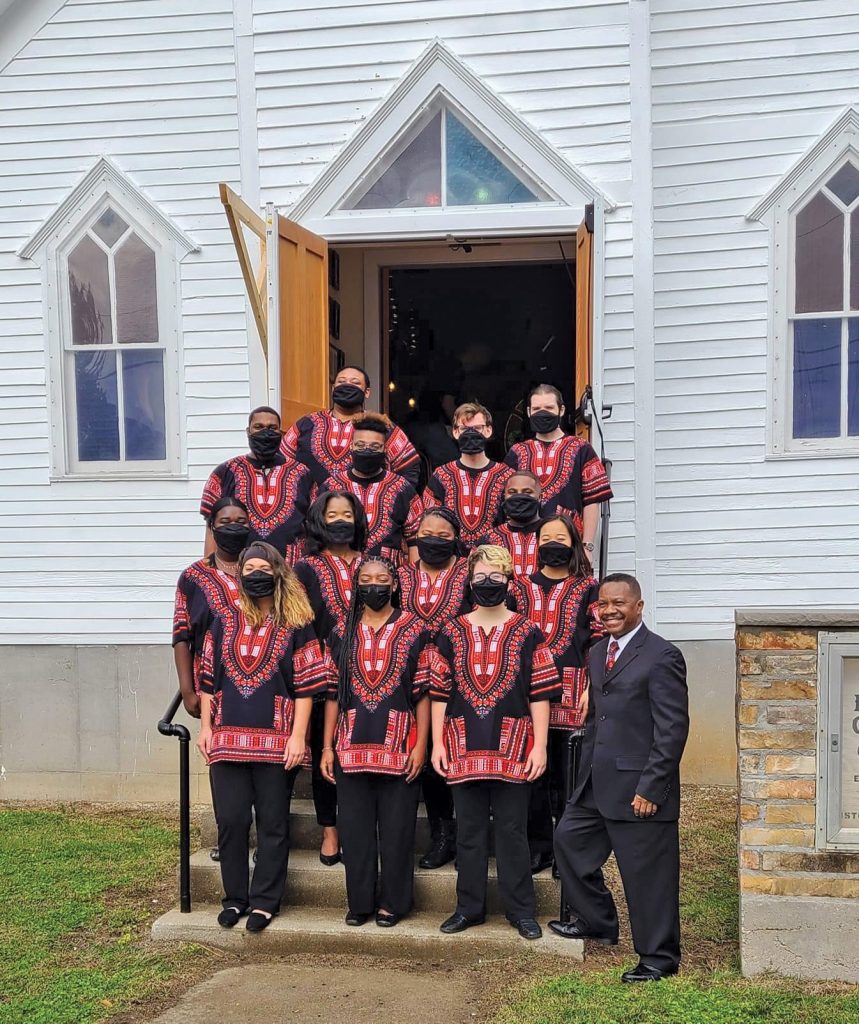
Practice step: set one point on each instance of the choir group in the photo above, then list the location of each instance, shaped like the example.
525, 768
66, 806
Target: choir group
397, 644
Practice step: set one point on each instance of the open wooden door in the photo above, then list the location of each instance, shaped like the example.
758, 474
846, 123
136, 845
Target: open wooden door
584, 312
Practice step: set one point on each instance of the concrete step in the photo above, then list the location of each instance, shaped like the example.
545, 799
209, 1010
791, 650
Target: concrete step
311, 884
323, 931
304, 833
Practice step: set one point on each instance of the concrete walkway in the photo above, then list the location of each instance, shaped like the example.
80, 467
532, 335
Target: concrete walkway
284, 993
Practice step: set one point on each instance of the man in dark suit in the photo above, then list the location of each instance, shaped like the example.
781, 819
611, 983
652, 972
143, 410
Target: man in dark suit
627, 793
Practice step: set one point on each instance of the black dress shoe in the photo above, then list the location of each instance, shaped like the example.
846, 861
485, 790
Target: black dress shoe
539, 862
258, 922
229, 917
527, 927
330, 859
442, 848
356, 920
579, 930
215, 854
458, 923
646, 972
388, 920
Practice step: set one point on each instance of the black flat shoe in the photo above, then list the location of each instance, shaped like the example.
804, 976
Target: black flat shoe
258, 922
578, 930
229, 917
458, 923
215, 854
527, 927
356, 920
645, 972
388, 920
330, 859
539, 862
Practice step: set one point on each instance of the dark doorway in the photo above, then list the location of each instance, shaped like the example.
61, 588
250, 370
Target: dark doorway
488, 333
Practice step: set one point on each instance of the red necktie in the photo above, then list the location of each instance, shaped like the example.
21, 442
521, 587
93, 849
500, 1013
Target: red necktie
613, 649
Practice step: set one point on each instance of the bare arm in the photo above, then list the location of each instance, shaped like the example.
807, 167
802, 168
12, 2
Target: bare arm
204, 740
418, 755
326, 762
293, 755
439, 754
536, 763
590, 522
183, 659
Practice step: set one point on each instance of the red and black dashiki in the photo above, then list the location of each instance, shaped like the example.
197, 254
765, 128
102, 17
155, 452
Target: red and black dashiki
327, 579
321, 442
254, 675
488, 680
390, 674
392, 506
520, 541
570, 473
202, 592
276, 496
435, 601
475, 495
566, 613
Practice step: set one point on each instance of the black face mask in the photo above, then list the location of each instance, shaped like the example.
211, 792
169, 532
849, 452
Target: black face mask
555, 554
340, 531
544, 422
471, 441
436, 550
258, 584
368, 462
348, 396
488, 594
375, 595
265, 444
521, 508
232, 538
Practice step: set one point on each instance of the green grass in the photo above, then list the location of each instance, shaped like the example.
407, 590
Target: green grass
77, 890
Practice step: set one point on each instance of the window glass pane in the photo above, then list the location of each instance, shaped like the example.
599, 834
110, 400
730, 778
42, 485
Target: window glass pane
96, 405
816, 378
475, 175
90, 294
143, 395
413, 179
845, 183
110, 227
854, 259
819, 257
136, 298
853, 378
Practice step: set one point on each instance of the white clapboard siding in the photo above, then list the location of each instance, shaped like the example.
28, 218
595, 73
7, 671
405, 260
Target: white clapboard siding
153, 85
740, 91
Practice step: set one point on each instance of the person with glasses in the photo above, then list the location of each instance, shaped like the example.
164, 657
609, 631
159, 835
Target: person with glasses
390, 502
472, 486
492, 684
518, 532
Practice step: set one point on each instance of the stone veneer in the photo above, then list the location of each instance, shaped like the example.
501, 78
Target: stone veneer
799, 906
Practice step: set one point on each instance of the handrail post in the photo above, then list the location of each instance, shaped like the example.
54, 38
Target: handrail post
167, 728
572, 747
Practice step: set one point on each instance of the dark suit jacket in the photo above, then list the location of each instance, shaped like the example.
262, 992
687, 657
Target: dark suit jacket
636, 728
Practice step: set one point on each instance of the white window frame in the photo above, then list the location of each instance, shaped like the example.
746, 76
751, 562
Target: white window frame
778, 209
104, 186
833, 649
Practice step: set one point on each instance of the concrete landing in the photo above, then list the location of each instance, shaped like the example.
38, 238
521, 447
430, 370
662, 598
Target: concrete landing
322, 930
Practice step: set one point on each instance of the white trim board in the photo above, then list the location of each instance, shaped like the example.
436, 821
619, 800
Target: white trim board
21, 22
439, 76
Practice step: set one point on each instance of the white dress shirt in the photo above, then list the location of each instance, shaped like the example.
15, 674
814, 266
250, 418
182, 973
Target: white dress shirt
622, 641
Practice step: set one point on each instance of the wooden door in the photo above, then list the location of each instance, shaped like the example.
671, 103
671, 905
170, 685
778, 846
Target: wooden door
584, 312
303, 299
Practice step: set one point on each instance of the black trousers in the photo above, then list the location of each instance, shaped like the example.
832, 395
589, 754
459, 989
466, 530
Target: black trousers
376, 816
648, 856
437, 798
548, 794
266, 789
507, 803
324, 793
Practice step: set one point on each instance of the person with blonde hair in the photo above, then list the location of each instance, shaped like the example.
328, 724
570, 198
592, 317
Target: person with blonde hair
473, 486
492, 681
261, 666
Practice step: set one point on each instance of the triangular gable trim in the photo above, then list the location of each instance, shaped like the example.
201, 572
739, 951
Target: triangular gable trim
104, 178
439, 72
20, 24
842, 134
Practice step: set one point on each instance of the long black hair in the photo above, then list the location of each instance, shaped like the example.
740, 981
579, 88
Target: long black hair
350, 626
579, 564
315, 540
226, 502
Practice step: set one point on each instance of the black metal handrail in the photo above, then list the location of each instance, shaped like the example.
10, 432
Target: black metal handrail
168, 728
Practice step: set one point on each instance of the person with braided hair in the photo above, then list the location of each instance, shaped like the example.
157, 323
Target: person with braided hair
375, 741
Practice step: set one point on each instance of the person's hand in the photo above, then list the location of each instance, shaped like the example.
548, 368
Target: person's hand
204, 741
536, 763
293, 755
439, 758
326, 765
584, 701
191, 702
415, 761
643, 808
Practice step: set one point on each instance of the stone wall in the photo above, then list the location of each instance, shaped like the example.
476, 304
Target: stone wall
785, 926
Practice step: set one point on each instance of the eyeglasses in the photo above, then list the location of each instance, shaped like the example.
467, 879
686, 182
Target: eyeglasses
362, 446
481, 428
493, 577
